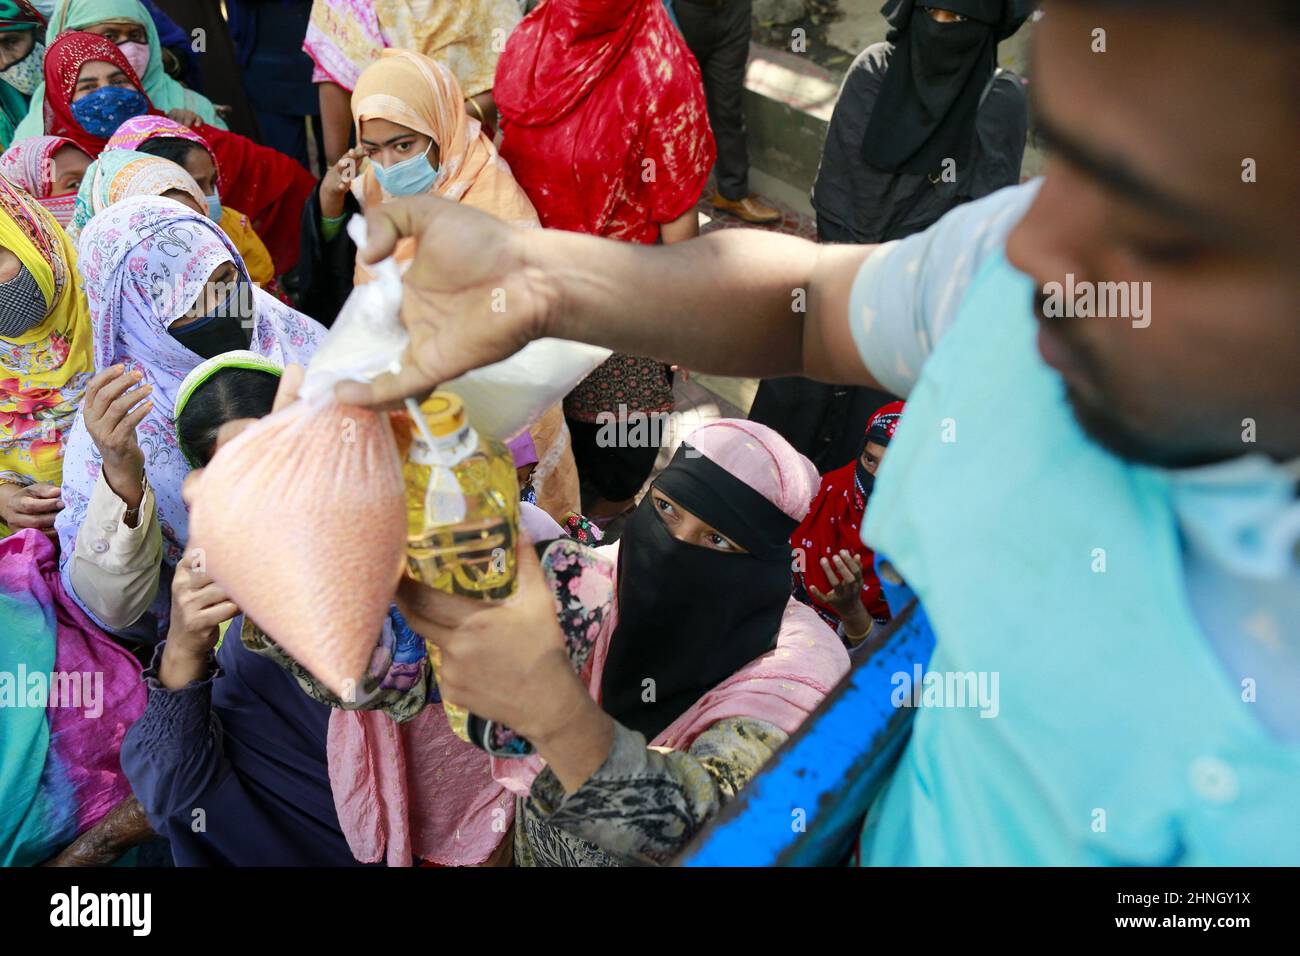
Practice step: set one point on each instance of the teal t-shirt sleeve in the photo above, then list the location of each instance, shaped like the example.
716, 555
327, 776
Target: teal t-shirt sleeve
907, 293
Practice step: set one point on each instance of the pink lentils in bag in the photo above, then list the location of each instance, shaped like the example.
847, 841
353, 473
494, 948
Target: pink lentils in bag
302, 520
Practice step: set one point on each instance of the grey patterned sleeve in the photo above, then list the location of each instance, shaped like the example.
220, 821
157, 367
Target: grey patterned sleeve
643, 806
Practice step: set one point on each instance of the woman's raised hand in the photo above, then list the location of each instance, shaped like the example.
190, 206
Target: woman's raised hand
114, 404
338, 180
199, 607
844, 575
469, 298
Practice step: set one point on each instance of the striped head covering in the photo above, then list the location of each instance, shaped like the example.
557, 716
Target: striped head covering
30, 165
122, 173
139, 129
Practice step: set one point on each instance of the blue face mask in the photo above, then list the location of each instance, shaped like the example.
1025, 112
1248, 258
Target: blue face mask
410, 177
101, 112
214, 206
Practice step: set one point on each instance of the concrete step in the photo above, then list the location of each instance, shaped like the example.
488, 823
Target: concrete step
788, 103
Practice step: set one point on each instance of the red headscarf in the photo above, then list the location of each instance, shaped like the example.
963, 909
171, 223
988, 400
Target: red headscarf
835, 521
604, 118
63, 62
264, 184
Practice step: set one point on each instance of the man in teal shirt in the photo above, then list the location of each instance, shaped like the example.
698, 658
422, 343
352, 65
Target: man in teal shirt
1094, 490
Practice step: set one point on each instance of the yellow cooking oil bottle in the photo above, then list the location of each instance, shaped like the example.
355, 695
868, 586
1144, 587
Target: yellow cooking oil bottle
462, 515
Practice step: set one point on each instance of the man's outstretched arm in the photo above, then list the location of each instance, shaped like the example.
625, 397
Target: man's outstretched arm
737, 302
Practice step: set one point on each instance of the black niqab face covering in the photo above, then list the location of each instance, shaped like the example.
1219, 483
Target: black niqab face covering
937, 75
866, 480
688, 616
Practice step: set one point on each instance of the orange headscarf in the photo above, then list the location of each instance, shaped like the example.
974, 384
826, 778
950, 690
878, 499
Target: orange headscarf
421, 94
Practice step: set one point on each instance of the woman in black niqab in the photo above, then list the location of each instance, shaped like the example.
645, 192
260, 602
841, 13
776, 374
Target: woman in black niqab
932, 90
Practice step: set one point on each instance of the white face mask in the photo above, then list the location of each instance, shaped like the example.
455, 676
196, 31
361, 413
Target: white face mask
137, 54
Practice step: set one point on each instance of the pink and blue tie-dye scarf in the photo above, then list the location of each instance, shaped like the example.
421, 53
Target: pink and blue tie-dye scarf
67, 696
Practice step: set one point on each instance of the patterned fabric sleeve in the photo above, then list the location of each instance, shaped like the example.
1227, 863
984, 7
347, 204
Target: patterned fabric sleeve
643, 805
398, 681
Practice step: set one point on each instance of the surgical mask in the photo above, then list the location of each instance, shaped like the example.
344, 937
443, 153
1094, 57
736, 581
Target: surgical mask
25, 75
137, 54
214, 206
102, 111
410, 177
22, 306
225, 329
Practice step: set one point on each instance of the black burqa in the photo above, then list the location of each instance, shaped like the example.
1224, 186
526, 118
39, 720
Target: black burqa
689, 616
931, 94
925, 112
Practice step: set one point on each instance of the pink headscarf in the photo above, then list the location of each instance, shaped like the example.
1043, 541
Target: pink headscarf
762, 459
782, 687
29, 164
138, 129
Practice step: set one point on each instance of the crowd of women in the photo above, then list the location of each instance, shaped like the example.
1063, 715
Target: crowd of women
162, 275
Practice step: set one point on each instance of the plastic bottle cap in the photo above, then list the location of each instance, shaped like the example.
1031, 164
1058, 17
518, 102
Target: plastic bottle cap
444, 413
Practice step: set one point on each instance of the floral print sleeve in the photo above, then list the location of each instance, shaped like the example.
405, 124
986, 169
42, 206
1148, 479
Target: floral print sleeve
643, 806
398, 681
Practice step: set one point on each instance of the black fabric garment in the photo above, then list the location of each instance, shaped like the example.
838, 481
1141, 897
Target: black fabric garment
221, 75
276, 72
824, 422
689, 616
614, 473
856, 202
866, 480
213, 335
928, 102
718, 35
319, 284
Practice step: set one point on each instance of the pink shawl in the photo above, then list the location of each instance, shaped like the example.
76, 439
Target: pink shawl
782, 687
414, 790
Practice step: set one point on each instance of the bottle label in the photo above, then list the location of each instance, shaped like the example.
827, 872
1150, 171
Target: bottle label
444, 502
